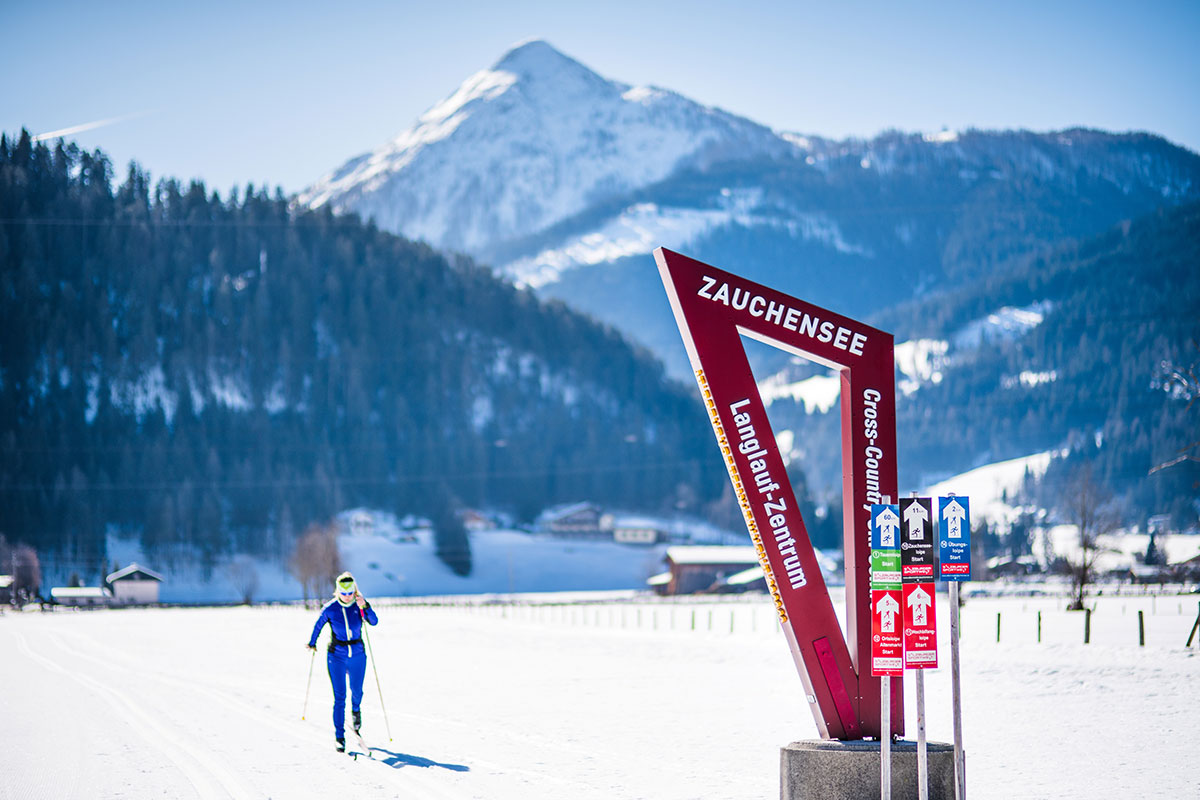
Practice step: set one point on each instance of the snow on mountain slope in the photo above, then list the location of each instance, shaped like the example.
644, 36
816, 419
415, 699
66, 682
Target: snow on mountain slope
817, 394
640, 228
532, 141
919, 362
994, 488
391, 565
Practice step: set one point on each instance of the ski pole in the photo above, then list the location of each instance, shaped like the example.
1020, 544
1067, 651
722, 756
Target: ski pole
371, 655
308, 685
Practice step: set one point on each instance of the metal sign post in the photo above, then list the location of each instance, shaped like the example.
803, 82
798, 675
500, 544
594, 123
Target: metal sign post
960, 763
922, 745
954, 545
885, 741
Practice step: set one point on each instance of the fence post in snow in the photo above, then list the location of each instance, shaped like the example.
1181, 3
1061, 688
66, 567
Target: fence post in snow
1039, 627
1141, 629
1195, 626
997, 626
1087, 626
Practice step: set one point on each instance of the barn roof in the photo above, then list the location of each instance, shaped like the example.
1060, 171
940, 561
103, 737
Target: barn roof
132, 570
713, 554
63, 592
661, 579
751, 575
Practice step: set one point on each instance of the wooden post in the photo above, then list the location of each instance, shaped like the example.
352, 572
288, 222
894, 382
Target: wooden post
1195, 627
1087, 626
1039, 627
1141, 630
997, 626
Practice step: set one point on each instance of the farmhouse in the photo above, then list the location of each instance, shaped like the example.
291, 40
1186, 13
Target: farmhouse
575, 521
134, 585
632, 530
81, 596
705, 568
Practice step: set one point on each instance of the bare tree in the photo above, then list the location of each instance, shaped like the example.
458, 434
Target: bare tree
22, 560
315, 561
244, 577
1088, 504
1185, 382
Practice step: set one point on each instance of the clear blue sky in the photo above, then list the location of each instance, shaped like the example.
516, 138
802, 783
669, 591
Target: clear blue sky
281, 92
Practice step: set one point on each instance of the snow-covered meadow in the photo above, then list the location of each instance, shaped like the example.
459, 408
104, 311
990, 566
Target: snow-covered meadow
581, 696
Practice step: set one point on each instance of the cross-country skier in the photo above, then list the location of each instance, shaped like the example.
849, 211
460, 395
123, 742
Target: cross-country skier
347, 658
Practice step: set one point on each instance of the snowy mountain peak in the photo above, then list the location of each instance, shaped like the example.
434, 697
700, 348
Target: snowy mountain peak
535, 58
528, 143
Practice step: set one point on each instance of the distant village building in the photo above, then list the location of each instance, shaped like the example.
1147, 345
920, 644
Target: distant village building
748, 580
134, 585
632, 530
361, 522
81, 596
476, 521
6, 582
1187, 570
575, 521
693, 569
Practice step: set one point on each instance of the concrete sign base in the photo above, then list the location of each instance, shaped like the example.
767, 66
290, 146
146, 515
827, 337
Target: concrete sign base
825, 769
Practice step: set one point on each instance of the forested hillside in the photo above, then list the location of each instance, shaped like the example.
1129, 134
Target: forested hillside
1103, 369
222, 371
1111, 371
859, 226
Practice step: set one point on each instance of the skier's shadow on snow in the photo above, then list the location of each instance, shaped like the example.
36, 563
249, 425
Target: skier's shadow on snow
401, 760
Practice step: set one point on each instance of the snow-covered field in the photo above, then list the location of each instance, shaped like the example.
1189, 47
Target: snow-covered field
619, 697
502, 561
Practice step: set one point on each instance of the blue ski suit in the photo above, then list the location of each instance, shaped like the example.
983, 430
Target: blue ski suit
347, 657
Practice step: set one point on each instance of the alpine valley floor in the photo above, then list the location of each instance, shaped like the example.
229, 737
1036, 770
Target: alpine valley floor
613, 698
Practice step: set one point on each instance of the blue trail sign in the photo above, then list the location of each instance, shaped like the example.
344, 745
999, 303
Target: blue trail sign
954, 538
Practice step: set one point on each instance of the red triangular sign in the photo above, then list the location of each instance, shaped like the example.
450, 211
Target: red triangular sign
714, 309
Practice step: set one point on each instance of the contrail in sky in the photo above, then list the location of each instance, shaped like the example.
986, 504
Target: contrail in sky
87, 126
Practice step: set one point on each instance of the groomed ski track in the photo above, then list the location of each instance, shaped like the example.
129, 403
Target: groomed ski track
609, 701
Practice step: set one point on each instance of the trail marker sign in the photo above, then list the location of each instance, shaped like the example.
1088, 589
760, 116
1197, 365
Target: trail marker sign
954, 538
920, 626
714, 309
918, 557
917, 552
887, 644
